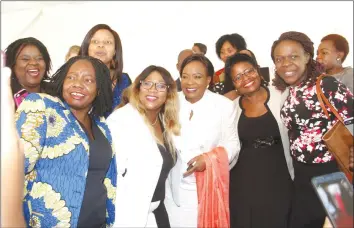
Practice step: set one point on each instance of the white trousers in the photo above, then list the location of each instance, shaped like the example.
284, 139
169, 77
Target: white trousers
187, 214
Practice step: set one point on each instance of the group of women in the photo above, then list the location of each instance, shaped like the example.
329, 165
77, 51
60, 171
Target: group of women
168, 159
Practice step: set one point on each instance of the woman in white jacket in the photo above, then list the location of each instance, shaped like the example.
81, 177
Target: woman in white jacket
142, 133
261, 180
207, 121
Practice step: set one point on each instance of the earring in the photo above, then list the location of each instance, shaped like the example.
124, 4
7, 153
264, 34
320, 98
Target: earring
338, 59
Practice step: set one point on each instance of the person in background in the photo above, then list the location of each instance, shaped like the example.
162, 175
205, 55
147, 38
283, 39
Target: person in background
263, 171
12, 162
296, 75
30, 63
73, 51
331, 53
226, 46
207, 123
181, 57
103, 43
199, 48
146, 152
70, 168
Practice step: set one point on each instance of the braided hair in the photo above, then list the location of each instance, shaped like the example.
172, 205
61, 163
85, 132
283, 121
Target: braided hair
313, 68
12, 52
104, 99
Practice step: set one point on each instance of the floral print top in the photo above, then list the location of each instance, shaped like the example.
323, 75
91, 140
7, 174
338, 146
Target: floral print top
56, 151
306, 121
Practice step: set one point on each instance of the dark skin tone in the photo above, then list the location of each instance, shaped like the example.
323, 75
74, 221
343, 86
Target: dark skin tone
253, 103
80, 90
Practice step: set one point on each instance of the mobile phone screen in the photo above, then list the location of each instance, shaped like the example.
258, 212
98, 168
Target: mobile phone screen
336, 195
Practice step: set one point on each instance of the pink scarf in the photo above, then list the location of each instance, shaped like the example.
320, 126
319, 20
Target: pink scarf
213, 190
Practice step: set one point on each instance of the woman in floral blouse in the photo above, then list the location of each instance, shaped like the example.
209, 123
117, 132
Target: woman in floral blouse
296, 74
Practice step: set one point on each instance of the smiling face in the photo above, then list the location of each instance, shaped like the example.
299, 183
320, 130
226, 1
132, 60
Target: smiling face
327, 55
245, 78
29, 67
154, 96
290, 61
80, 88
194, 81
102, 46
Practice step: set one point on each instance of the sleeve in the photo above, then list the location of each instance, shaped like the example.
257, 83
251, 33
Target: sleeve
127, 80
116, 127
230, 140
31, 126
339, 96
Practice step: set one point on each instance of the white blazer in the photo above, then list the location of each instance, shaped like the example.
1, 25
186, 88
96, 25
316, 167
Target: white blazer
212, 125
276, 101
138, 156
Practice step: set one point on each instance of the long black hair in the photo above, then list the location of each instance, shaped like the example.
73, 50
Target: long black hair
117, 66
104, 99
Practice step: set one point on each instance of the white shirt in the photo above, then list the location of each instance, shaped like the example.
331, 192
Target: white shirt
212, 125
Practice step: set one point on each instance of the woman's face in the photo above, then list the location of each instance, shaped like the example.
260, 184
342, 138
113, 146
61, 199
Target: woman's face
226, 51
194, 81
290, 61
153, 92
327, 55
245, 78
80, 87
29, 67
102, 46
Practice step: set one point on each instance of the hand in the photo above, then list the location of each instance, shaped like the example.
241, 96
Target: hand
197, 164
351, 159
12, 156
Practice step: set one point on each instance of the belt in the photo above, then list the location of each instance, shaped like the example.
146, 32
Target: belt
261, 142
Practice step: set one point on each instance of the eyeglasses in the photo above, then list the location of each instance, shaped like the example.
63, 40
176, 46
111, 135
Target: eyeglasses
248, 73
160, 86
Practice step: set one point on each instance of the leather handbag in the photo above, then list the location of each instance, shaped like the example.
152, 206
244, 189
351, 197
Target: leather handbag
338, 139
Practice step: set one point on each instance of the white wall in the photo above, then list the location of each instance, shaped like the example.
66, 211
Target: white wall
155, 32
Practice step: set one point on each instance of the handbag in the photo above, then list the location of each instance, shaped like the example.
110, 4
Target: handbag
338, 139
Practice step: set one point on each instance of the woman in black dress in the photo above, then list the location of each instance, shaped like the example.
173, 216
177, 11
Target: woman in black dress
261, 180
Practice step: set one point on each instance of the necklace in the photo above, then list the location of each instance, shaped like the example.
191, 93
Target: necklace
153, 124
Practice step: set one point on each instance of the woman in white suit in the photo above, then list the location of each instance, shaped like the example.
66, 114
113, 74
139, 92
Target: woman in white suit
207, 121
142, 133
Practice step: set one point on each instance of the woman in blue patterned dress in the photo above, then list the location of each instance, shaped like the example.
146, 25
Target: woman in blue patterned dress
70, 167
104, 43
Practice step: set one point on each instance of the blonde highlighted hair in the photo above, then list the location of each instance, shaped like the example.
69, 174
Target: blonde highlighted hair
169, 111
72, 49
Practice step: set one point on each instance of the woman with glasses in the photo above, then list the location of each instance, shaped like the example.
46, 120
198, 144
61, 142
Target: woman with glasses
103, 43
261, 180
142, 131
207, 122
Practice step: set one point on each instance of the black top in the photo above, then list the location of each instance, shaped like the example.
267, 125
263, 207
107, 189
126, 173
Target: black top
167, 165
260, 177
93, 208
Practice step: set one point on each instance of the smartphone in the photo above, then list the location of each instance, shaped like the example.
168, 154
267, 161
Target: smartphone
336, 195
20, 96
